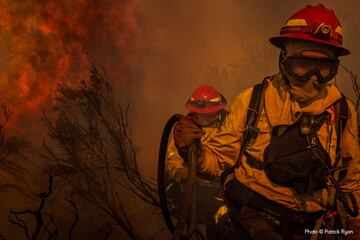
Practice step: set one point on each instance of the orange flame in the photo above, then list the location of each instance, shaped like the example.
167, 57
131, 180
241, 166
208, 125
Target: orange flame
44, 43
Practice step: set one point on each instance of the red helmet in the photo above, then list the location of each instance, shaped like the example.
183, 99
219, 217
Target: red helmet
313, 23
205, 99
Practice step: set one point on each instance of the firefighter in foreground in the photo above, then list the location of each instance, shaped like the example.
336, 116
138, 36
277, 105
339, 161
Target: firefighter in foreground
292, 141
206, 107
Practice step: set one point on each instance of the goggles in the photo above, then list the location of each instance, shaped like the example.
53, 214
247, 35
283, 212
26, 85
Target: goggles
302, 68
202, 103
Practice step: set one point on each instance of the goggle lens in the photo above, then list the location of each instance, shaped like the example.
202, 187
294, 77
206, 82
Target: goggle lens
303, 68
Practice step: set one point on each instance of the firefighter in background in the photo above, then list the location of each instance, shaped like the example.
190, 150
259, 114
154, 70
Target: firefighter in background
301, 167
206, 107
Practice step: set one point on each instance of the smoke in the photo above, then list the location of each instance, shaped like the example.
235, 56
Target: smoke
44, 43
155, 52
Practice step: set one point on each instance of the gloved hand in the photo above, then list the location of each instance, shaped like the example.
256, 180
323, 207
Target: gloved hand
185, 132
181, 174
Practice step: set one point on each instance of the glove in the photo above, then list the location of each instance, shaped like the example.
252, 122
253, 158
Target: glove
185, 132
181, 174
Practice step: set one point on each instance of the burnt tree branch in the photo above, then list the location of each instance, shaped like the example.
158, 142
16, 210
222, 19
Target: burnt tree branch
37, 214
98, 159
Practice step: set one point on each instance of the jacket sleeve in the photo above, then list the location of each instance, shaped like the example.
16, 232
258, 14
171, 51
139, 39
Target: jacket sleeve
174, 160
222, 149
351, 155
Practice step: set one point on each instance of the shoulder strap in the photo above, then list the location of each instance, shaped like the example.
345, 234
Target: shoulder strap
254, 109
341, 117
252, 118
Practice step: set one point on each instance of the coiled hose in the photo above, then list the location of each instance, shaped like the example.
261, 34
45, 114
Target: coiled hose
185, 206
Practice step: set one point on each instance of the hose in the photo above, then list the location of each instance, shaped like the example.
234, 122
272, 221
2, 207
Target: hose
185, 205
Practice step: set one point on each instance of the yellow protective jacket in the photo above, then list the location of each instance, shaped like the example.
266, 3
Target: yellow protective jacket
209, 194
280, 109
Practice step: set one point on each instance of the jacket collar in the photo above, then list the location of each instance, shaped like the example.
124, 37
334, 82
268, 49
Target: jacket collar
282, 109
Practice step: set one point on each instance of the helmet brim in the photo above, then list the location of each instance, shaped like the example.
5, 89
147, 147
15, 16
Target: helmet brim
278, 41
209, 109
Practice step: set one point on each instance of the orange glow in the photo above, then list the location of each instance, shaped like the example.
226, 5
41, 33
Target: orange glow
45, 43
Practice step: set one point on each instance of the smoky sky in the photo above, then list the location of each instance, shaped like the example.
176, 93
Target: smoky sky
155, 52
46, 43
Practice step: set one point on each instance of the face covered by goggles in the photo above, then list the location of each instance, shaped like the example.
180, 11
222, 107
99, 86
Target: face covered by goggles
302, 68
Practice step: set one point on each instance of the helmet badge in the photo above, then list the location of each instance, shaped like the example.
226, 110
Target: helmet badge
323, 31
